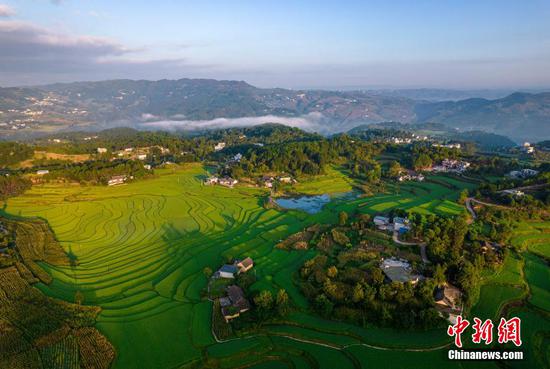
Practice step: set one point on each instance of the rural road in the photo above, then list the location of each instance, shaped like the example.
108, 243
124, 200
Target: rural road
471, 210
422, 245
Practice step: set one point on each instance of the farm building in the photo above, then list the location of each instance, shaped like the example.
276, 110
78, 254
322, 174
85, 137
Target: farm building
227, 271
245, 265
116, 180
448, 301
381, 222
211, 180
399, 270
285, 179
227, 181
239, 303
219, 146
401, 224
523, 173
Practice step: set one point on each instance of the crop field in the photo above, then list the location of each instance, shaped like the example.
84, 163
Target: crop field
138, 252
524, 278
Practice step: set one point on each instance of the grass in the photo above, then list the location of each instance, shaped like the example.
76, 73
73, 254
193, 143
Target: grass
141, 248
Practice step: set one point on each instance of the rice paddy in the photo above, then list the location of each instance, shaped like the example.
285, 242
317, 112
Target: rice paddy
140, 250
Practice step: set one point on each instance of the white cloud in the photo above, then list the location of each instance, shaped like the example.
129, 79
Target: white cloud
312, 122
6, 11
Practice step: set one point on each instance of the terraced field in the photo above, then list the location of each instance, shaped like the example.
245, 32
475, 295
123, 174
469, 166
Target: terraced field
140, 249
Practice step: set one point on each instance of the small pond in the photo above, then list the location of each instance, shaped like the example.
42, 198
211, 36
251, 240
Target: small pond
312, 204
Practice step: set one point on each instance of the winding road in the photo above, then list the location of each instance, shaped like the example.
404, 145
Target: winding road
422, 245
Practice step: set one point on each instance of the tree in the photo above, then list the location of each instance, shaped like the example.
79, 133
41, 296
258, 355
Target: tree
422, 161
342, 218
207, 272
463, 196
323, 305
394, 169
332, 272
282, 302
439, 275
264, 300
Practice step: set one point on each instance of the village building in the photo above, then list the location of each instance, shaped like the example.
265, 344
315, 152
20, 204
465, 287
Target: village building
42, 172
147, 166
401, 225
211, 180
285, 179
227, 271
235, 303
245, 265
227, 181
237, 157
381, 222
101, 150
448, 300
523, 173
411, 176
142, 156
451, 165
399, 270
219, 146
116, 180
267, 181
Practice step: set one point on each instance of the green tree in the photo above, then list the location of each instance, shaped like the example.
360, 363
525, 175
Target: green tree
395, 169
422, 161
282, 302
342, 218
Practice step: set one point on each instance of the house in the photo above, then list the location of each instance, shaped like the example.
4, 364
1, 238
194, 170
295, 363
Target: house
528, 148
211, 180
523, 173
227, 181
116, 180
401, 224
239, 303
285, 179
238, 157
129, 149
411, 176
219, 146
42, 172
101, 150
147, 166
399, 270
245, 265
267, 181
448, 298
381, 222
227, 271
142, 157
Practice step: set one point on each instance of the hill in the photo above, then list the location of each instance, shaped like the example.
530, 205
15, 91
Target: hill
522, 116
203, 103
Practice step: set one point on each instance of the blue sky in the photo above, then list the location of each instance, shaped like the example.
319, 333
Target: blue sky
329, 44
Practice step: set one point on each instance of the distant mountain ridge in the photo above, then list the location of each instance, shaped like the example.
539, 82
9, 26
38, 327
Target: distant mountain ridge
105, 104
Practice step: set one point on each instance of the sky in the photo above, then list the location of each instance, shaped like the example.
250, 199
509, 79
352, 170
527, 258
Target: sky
462, 44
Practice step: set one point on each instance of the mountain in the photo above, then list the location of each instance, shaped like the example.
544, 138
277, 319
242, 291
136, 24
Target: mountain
205, 104
522, 116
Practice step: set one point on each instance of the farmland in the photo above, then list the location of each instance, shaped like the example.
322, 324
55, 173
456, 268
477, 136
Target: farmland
139, 250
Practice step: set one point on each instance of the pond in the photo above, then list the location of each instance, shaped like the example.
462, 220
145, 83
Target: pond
312, 204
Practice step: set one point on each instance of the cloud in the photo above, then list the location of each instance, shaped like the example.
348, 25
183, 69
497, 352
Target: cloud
312, 122
6, 11
32, 54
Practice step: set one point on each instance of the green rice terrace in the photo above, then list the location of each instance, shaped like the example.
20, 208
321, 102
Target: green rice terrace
138, 251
